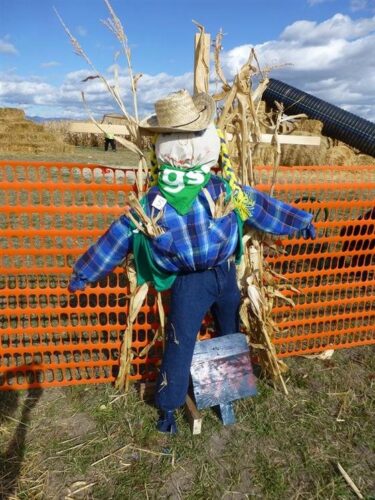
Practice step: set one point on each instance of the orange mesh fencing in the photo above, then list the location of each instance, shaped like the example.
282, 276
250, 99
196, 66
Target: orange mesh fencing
51, 212
335, 272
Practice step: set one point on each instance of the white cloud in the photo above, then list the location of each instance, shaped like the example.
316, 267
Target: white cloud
65, 100
334, 60
50, 64
338, 27
6, 47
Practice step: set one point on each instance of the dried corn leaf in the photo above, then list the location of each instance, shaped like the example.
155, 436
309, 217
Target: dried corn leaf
147, 348
254, 258
244, 315
277, 293
201, 60
225, 115
257, 346
258, 92
218, 68
161, 310
126, 358
210, 201
131, 272
137, 300
256, 301
277, 275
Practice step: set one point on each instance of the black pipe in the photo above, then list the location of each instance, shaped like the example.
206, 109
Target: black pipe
337, 123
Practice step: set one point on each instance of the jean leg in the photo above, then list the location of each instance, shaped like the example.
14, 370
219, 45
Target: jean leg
225, 310
191, 297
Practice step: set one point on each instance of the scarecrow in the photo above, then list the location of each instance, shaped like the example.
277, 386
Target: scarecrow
196, 252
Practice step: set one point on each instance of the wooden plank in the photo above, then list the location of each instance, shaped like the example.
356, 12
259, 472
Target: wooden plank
227, 413
221, 371
222, 380
303, 140
91, 128
194, 417
229, 345
147, 390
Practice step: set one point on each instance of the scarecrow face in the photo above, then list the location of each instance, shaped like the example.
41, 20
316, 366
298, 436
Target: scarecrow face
188, 150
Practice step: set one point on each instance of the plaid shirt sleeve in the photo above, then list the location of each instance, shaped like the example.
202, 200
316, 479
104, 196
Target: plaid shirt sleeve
276, 217
103, 256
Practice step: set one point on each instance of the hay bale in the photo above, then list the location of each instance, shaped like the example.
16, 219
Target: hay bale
330, 151
309, 127
264, 155
362, 159
12, 114
340, 155
20, 135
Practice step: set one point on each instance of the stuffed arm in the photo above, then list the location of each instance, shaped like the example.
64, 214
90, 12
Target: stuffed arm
103, 256
276, 217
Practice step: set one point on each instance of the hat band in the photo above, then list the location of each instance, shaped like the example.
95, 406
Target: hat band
187, 123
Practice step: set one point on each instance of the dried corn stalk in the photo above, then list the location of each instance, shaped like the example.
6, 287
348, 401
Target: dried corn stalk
148, 226
114, 25
137, 296
241, 119
259, 290
144, 223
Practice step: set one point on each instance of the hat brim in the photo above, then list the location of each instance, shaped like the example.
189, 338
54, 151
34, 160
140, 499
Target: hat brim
204, 103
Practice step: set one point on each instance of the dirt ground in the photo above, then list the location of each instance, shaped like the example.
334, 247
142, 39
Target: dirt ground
89, 442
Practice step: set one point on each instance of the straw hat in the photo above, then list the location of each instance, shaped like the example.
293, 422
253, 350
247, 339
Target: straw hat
179, 112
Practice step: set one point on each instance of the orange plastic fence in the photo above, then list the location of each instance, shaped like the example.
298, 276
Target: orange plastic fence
51, 212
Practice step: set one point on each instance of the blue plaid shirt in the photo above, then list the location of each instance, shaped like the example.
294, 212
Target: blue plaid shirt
190, 242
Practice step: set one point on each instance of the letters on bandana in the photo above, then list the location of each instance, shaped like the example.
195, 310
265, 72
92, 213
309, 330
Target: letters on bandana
180, 186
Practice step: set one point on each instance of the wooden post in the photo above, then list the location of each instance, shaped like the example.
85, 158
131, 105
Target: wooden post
193, 416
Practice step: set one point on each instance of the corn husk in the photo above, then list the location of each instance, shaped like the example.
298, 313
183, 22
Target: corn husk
242, 117
201, 60
136, 300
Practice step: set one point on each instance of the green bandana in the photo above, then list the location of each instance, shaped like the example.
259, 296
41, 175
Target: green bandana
180, 186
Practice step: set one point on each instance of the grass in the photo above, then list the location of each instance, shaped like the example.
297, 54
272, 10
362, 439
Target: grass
122, 156
103, 443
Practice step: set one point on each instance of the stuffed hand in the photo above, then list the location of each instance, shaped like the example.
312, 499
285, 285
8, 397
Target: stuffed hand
307, 233
76, 283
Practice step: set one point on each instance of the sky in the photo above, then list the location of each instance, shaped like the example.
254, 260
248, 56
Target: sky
324, 47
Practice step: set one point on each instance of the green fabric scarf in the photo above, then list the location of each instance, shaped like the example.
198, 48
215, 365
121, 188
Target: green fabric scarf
180, 186
146, 267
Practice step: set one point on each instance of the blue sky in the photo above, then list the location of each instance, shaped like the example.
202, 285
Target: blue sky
330, 43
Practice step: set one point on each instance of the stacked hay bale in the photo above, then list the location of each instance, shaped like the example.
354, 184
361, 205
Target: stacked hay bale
330, 151
18, 135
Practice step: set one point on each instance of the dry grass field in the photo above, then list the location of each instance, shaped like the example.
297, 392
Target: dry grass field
79, 154
90, 442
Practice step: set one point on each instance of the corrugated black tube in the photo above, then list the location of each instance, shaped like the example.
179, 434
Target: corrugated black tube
338, 123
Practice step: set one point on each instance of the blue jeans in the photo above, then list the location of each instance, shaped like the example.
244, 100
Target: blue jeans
192, 295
